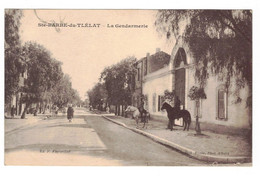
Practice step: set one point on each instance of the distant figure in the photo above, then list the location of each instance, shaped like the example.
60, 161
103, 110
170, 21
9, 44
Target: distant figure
142, 111
56, 110
12, 111
53, 113
107, 109
70, 113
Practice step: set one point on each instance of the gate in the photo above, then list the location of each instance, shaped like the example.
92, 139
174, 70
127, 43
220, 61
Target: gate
180, 79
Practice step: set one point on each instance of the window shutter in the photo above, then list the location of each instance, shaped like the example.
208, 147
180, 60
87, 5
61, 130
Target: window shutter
159, 103
221, 104
154, 102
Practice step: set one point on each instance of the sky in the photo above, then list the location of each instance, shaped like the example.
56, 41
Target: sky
86, 51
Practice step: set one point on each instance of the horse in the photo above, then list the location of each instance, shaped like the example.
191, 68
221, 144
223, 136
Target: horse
137, 114
173, 114
145, 115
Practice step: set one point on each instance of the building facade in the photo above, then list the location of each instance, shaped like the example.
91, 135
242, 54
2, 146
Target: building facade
138, 88
217, 112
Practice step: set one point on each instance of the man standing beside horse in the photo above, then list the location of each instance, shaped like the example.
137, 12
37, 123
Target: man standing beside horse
176, 113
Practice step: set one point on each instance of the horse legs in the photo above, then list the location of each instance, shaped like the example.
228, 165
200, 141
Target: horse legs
185, 125
136, 120
188, 126
145, 121
171, 124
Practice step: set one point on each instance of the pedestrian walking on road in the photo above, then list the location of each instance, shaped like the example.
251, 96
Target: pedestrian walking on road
70, 113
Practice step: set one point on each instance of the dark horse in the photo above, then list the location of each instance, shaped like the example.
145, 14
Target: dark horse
173, 114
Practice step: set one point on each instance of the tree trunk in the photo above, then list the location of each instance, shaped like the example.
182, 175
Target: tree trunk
119, 110
24, 111
44, 107
40, 108
123, 110
37, 108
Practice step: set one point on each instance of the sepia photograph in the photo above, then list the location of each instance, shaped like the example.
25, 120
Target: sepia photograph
128, 87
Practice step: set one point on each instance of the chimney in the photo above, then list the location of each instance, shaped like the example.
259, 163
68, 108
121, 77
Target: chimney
158, 50
147, 54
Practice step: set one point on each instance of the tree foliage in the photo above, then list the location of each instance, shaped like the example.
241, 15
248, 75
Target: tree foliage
97, 94
168, 96
63, 93
196, 93
220, 41
119, 81
43, 72
12, 24
13, 62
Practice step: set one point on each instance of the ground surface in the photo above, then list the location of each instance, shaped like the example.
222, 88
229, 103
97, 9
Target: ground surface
89, 140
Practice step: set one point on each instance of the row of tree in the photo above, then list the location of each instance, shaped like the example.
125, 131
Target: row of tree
116, 85
45, 83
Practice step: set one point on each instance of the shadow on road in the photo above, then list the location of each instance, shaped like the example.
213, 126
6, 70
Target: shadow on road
71, 125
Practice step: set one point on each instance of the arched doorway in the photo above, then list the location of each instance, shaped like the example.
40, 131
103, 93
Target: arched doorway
180, 75
180, 78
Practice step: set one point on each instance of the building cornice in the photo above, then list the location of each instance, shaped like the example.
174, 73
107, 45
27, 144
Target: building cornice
158, 75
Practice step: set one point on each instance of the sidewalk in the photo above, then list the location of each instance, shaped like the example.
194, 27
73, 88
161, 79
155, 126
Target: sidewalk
16, 122
209, 146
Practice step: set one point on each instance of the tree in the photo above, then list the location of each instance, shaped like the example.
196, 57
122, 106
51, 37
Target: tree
43, 72
63, 93
13, 63
220, 41
97, 94
168, 96
197, 94
119, 81
76, 100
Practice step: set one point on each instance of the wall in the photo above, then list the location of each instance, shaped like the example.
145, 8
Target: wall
237, 114
157, 82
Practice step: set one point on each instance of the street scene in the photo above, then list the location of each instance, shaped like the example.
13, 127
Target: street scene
88, 140
128, 87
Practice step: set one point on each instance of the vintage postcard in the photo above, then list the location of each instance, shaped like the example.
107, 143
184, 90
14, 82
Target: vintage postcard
128, 87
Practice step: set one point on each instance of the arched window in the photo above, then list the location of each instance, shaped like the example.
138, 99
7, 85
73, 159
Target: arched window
179, 58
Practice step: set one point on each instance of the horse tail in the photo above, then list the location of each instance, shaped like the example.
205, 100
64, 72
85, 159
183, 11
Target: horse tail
188, 116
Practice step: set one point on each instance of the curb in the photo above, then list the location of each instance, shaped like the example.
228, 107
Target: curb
192, 153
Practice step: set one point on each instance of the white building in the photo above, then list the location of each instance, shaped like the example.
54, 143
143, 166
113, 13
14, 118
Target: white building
217, 112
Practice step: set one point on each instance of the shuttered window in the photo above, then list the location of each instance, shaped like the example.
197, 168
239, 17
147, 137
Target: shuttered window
159, 103
222, 104
154, 102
